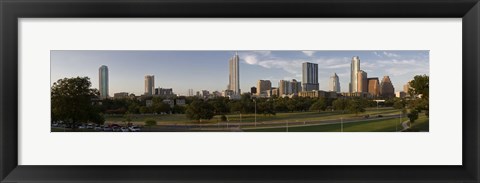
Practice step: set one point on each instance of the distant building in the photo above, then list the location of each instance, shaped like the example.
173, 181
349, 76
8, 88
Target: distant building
263, 86
164, 92
217, 94
400, 94
354, 68
318, 93
148, 103
103, 81
180, 102
284, 88
406, 87
334, 84
373, 87
190, 92
149, 84
253, 90
362, 83
228, 93
296, 86
234, 77
170, 102
120, 95
386, 88
205, 93
310, 76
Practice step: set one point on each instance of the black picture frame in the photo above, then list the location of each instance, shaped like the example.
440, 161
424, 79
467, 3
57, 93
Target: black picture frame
11, 10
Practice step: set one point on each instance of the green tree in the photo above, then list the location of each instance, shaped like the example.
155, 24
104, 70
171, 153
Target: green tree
340, 104
356, 106
398, 103
71, 100
198, 110
419, 86
413, 115
319, 105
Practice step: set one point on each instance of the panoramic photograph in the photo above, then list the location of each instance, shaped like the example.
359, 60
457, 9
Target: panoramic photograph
239, 91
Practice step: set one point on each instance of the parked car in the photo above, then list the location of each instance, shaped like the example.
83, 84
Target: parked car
106, 128
123, 129
90, 126
115, 128
134, 129
98, 128
81, 126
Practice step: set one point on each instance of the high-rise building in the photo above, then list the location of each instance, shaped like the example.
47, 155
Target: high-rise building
263, 86
386, 88
354, 68
310, 76
234, 77
362, 83
406, 87
149, 84
373, 87
334, 84
296, 86
190, 92
103, 81
284, 87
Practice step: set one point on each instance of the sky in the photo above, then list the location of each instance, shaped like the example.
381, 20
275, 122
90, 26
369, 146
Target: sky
208, 70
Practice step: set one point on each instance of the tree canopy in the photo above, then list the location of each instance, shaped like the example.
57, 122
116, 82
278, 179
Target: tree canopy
71, 100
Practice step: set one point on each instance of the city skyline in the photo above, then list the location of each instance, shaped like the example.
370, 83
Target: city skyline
210, 69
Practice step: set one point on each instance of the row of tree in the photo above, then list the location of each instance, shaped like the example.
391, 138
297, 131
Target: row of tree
71, 100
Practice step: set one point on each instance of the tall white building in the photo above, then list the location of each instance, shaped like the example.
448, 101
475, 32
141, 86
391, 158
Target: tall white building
149, 84
103, 81
334, 84
309, 76
354, 68
234, 77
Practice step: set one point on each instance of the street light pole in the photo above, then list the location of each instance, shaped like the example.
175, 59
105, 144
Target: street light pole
287, 125
255, 101
341, 123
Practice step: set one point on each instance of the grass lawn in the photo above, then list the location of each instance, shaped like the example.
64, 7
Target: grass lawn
382, 125
235, 118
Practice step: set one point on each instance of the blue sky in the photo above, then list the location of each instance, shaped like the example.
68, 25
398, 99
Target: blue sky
208, 70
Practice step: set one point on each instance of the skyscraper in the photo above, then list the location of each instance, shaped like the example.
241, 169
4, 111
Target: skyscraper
263, 86
334, 84
149, 84
103, 81
310, 76
373, 87
354, 68
296, 86
362, 83
234, 77
284, 87
386, 88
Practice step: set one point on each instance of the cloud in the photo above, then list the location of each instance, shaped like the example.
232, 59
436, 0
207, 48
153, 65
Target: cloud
309, 53
337, 66
251, 59
388, 54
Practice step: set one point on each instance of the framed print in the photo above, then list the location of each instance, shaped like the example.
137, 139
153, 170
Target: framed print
156, 91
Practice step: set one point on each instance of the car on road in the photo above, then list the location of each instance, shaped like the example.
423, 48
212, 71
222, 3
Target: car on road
134, 128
